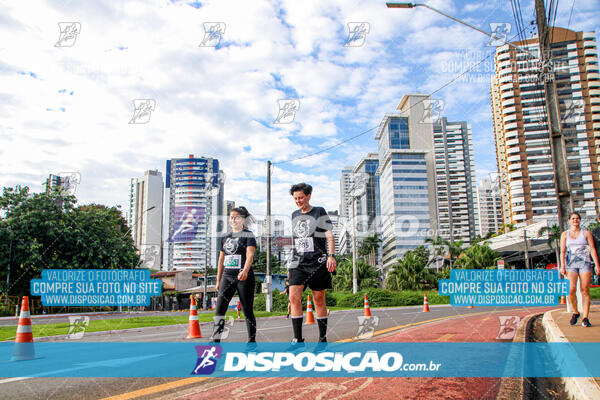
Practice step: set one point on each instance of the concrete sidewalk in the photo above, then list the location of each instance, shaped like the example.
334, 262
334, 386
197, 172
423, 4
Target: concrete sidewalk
558, 329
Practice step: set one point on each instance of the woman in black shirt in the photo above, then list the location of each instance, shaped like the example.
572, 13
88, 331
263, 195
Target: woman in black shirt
235, 272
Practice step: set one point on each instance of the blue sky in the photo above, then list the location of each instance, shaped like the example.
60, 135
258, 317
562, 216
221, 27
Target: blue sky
67, 108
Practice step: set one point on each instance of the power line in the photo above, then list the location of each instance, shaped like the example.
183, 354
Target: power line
375, 127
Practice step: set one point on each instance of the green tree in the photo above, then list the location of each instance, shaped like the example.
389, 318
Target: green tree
46, 231
260, 262
411, 272
454, 250
368, 248
477, 256
505, 228
366, 274
554, 233
439, 246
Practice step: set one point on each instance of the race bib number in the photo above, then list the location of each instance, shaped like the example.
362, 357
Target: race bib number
233, 261
305, 245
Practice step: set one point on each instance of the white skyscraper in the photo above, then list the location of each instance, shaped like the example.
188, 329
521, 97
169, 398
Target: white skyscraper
490, 207
406, 178
455, 180
145, 217
195, 212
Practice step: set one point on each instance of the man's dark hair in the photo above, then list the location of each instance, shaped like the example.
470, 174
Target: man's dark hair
301, 187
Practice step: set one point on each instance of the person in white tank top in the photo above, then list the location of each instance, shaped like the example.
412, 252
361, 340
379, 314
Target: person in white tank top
576, 247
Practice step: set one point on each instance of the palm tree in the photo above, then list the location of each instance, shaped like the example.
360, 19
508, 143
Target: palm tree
439, 247
454, 250
505, 228
369, 248
478, 256
367, 276
410, 272
554, 234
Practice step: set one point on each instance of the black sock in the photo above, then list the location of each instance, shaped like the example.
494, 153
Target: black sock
322, 327
297, 325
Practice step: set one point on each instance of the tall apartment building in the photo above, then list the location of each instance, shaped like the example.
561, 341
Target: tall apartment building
145, 217
66, 182
521, 131
194, 216
346, 183
407, 178
490, 208
335, 222
455, 180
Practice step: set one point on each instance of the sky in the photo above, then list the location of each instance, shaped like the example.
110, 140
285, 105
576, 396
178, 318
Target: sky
71, 104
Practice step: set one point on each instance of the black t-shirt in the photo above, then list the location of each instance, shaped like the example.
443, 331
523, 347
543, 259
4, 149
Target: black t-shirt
234, 245
310, 243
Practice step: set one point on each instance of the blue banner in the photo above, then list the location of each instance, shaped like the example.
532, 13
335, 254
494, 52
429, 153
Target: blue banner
280, 360
528, 288
96, 287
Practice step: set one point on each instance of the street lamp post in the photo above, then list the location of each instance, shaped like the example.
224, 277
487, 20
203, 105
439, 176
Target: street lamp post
414, 5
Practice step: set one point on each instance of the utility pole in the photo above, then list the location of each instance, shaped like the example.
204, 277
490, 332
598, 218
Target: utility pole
526, 249
8, 273
268, 274
354, 254
557, 141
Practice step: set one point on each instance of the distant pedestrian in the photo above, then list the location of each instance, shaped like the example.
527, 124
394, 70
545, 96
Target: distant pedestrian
576, 247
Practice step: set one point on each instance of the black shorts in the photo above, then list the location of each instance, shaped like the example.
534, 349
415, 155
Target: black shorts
315, 278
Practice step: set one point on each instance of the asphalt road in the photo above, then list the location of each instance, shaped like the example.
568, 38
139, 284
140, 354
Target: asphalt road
342, 325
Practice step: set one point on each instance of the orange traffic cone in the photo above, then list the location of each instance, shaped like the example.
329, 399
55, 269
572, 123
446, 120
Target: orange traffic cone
193, 325
563, 301
367, 312
425, 303
24, 340
310, 318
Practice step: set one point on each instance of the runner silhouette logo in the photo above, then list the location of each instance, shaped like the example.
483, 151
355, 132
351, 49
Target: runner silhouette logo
207, 359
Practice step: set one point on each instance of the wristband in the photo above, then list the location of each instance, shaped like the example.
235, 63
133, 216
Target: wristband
331, 255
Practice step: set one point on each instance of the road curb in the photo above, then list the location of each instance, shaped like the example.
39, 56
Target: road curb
579, 388
514, 388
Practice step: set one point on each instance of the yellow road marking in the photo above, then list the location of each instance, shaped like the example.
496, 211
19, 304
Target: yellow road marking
445, 337
155, 389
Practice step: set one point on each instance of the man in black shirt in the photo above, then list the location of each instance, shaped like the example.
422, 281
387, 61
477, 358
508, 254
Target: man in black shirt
313, 259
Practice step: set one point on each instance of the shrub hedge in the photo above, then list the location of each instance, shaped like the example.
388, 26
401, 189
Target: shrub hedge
377, 298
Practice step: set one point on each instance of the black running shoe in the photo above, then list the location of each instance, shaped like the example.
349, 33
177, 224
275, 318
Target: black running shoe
586, 322
574, 319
